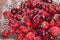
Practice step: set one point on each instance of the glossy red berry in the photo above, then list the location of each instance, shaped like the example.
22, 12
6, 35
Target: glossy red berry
5, 34
20, 36
57, 24
52, 22
28, 11
17, 31
57, 17
38, 38
17, 24
12, 31
30, 36
8, 15
25, 29
54, 30
45, 25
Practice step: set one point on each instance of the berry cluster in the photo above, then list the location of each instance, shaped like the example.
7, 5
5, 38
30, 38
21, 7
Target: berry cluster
34, 21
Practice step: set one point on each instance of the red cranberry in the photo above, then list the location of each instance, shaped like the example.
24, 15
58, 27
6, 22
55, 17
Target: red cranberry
51, 38
34, 25
45, 25
24, 30
28, 11
35, 11
45, 8
5, 34
17, 31
19, 17
52, 22
57, 17
57, 24
58, 9
38, 38
12, 31
37, 18
20, 36
13, 11
17, 24
54, 30
52, 6
28, 23
8, 15
43, 13
30, 36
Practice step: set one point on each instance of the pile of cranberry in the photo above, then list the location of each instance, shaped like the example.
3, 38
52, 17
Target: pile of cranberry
34, 21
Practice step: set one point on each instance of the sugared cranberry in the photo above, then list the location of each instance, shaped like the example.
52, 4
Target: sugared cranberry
54, 30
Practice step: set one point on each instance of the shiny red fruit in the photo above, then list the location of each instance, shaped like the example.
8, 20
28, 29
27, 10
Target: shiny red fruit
54, 30
20, 36
8, 15
12, 31
5, 34
25, 29
17, 24
30, 36
45, 25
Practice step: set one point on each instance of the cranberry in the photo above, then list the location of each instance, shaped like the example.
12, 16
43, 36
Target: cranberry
51, 38
58, 9
45, 8
24, 30
34, 25
45, 25
5, 34
13, 11
30, 36
20, 36
12, 31
17, 24
57, 17
38, 38
43, 13
17, 31
35, 11
28, 23
19, 17
37, 18
52, 22
54, 30
8, 15
28, 11
57, 24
